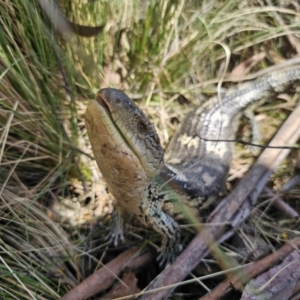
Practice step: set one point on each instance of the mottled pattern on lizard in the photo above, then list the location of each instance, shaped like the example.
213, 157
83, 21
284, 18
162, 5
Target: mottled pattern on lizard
128, 152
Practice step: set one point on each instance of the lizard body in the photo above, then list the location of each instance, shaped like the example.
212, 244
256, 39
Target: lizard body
130, 157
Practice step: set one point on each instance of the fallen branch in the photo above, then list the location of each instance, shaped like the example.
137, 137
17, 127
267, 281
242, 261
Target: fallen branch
253, 270
277, 283
103, 278
232, 210
127, 286
281, 205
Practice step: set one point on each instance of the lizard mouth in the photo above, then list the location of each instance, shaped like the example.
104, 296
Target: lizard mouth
101, 101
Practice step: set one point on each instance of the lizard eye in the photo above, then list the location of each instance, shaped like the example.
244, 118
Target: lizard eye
118, 101
141, 127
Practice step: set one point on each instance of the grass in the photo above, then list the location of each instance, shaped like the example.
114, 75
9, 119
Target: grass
154, 51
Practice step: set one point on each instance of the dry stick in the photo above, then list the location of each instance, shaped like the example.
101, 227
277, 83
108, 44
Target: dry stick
232, 210
253, 270
103, 278
278, 202
119, 290
281, 205
291, 183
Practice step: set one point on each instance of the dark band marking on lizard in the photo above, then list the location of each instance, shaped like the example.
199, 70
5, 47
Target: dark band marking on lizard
130, 157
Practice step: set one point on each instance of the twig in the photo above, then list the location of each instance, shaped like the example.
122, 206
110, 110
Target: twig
277, 283
232, 210
291, 183
253, 270
119, 290
103, 278
277, 202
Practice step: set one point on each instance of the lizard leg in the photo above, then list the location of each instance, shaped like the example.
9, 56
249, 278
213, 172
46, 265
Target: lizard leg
162, 223
116, 233
255, 131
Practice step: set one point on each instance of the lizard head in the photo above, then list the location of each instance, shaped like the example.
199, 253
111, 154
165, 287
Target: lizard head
121, 126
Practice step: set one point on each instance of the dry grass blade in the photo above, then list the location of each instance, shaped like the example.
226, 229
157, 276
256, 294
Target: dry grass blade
27, 79
34, 158
37, 257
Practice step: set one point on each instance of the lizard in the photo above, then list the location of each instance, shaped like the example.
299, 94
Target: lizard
147, 183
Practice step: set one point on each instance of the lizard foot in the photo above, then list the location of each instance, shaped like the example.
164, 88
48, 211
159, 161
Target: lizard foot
168, 255
115, 236
116, 233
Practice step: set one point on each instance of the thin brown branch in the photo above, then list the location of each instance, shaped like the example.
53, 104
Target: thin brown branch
232, 210
104, 278
276, 283
291, 183
253, 270
127, 287
277, 202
